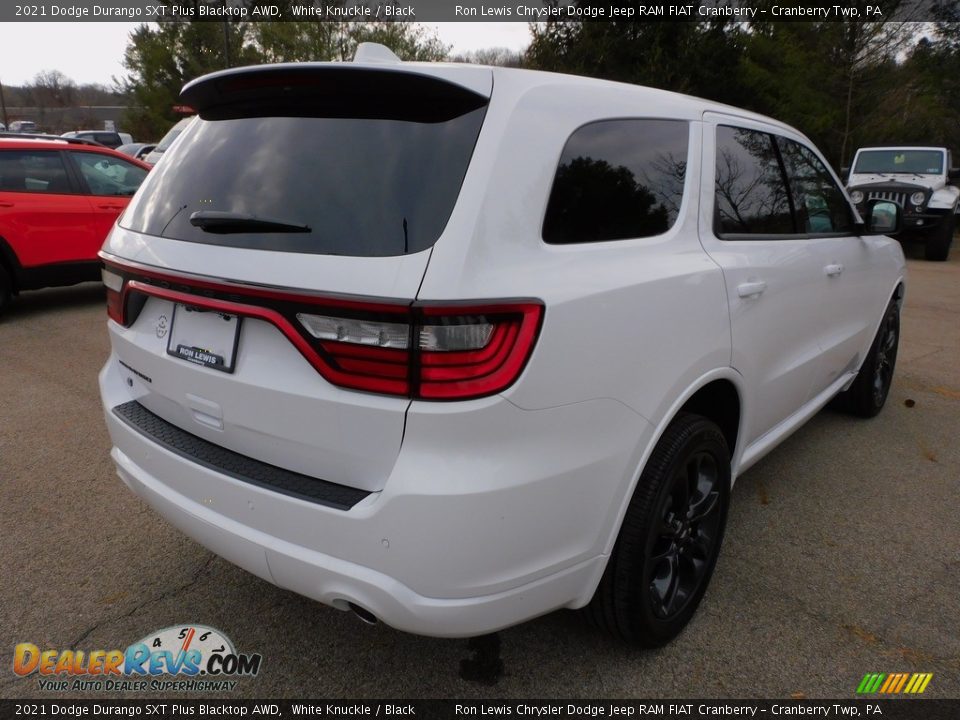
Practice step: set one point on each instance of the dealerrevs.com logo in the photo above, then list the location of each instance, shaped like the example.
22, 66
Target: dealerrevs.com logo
178, 658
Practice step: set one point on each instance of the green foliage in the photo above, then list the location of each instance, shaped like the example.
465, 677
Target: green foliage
845, 84
161, 58
305, 41
697, 58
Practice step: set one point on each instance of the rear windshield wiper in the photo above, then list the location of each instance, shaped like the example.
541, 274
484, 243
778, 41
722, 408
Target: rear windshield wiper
216, 221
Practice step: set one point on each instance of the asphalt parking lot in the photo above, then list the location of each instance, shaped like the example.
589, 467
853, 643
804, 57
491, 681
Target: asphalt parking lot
842, 553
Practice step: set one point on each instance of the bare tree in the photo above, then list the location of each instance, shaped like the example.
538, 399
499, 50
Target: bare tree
51, 88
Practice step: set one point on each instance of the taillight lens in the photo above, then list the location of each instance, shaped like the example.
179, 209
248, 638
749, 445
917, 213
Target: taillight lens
430, 351
364, 353
457, 352
114, 286
475, 351
357, 332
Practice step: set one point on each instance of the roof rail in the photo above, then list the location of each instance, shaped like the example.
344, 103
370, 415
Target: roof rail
43, 136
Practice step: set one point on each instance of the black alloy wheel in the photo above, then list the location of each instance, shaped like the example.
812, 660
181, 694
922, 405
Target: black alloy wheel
670, 537
868, 394
685, 540
886, 357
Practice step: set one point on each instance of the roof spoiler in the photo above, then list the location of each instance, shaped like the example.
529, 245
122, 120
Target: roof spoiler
375, 85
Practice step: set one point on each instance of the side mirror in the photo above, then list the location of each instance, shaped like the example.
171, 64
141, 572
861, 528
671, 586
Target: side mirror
845, 172
882, 218
953, 175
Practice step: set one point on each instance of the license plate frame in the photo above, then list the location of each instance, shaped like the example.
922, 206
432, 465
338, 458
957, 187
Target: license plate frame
196, 336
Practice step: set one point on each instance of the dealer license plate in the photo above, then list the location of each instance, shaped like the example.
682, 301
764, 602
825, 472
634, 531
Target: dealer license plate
204, 337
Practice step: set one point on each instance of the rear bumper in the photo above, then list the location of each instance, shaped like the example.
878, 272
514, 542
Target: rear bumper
492, 515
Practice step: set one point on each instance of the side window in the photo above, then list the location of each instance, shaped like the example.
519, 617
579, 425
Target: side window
106, 175
618, 179
820, 204
108, 139
750, 192
33, 171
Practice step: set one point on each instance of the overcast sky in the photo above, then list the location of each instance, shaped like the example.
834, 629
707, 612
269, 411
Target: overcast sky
91, 52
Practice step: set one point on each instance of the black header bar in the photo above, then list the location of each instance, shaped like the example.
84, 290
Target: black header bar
470, 10
901, 709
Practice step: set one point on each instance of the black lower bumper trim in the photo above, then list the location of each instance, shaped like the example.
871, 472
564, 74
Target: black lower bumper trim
235, 465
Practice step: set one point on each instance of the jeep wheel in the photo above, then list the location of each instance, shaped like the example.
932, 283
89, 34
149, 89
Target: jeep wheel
670, 538
938, 244
868, 393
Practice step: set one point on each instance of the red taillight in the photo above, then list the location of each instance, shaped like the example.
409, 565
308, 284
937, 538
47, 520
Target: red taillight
435, 352
113, 283
462, 370
427, 351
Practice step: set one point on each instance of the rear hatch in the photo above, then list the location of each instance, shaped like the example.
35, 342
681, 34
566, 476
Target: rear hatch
262, 277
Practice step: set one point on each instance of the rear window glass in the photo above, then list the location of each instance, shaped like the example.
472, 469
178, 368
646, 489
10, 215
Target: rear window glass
618, 179
363, 186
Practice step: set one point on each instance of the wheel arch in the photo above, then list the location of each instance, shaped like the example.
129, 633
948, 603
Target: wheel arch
719, 401
720, 384
899, 291
10, 264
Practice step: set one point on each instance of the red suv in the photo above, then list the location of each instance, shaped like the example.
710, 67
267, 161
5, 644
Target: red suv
58, 200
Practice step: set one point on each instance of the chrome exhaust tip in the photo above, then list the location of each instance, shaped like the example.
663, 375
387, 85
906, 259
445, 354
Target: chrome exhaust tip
365, 615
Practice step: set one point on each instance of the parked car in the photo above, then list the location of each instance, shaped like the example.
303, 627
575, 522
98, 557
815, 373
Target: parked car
58, 200
918, 179
107, 138
137, 150
166, 141
23, 126
455, 346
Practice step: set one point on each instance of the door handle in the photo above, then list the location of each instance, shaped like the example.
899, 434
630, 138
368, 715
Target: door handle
111, 207
751, 289
6, 204
833, 269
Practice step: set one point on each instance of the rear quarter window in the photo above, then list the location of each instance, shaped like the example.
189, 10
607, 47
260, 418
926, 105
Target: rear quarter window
618, 179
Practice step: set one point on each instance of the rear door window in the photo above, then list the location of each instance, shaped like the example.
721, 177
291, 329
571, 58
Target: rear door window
751, 196
821, 207
358, 186
618, 179
33, 171
107, 175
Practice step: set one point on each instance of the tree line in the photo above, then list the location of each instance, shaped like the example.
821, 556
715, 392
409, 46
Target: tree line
53, 89
845, 84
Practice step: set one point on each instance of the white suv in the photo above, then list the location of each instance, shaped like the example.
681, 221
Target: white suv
454, 346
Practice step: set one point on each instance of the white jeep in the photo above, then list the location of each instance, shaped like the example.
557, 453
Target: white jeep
920, 180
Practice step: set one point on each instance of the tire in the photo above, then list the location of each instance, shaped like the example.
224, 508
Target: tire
670, 538
938, 244
6, 290
869, 391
